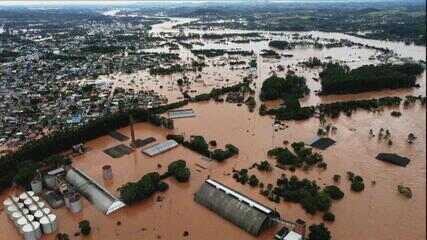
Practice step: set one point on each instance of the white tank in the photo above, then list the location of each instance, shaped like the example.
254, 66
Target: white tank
11, 209
41, 204
32, 231
48, 223
36, 186
36, 199
15, 216
8, 201
28, 202
76, 204
33, 208
30, 217
25, 195
38, 214
25, 211
20, 223
20, 205
46, 211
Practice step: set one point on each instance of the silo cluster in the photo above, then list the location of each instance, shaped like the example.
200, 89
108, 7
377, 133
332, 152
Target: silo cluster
30, 215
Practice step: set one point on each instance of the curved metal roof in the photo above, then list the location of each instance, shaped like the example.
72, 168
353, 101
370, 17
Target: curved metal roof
94, 192
236, 208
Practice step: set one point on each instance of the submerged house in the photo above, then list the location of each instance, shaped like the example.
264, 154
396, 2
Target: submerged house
95, 193
243, 212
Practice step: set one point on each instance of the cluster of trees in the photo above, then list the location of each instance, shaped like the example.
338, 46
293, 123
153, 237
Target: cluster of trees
219, 52
303, 157
217, 92
339, 79
409, 100
243, 177
293, 111
34, 152
282, 45
276, 87
312, 62
133, 192
268, 53
199, 144
85, 227
150, 183
62, 236
176, 68
319, 232
179, 170
305, 192
253, 63
264, 166
334, 109
357, 184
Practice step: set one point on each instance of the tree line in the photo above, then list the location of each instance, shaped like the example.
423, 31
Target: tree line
292, 110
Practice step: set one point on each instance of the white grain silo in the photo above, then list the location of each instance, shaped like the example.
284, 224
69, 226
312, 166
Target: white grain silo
48, 223
32, 231
41, 204
25, 211
28, 202
33, 208
46, 211
11, 209
38, 215
20, 223
19, 205
36, 185
25, 195
15, 216
10, 201
76, 203
30, 217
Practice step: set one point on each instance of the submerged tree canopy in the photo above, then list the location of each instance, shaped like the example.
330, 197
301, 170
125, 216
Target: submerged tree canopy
339, 79
276, 87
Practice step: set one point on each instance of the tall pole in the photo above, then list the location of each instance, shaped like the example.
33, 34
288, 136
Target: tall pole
132, 132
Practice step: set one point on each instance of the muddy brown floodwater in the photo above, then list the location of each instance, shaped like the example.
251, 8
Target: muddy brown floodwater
377, 213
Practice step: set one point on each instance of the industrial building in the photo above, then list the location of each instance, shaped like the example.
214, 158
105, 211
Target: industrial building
181, 113
160, 148
94, 192
245, 213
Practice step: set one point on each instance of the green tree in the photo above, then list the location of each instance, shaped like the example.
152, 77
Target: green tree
85, 227
319, 232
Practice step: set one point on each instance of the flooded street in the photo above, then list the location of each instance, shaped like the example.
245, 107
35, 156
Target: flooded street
379, 212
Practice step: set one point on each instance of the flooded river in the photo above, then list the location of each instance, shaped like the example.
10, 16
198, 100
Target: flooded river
377, 213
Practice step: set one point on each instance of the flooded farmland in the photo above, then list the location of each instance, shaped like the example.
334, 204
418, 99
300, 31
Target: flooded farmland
379, 212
